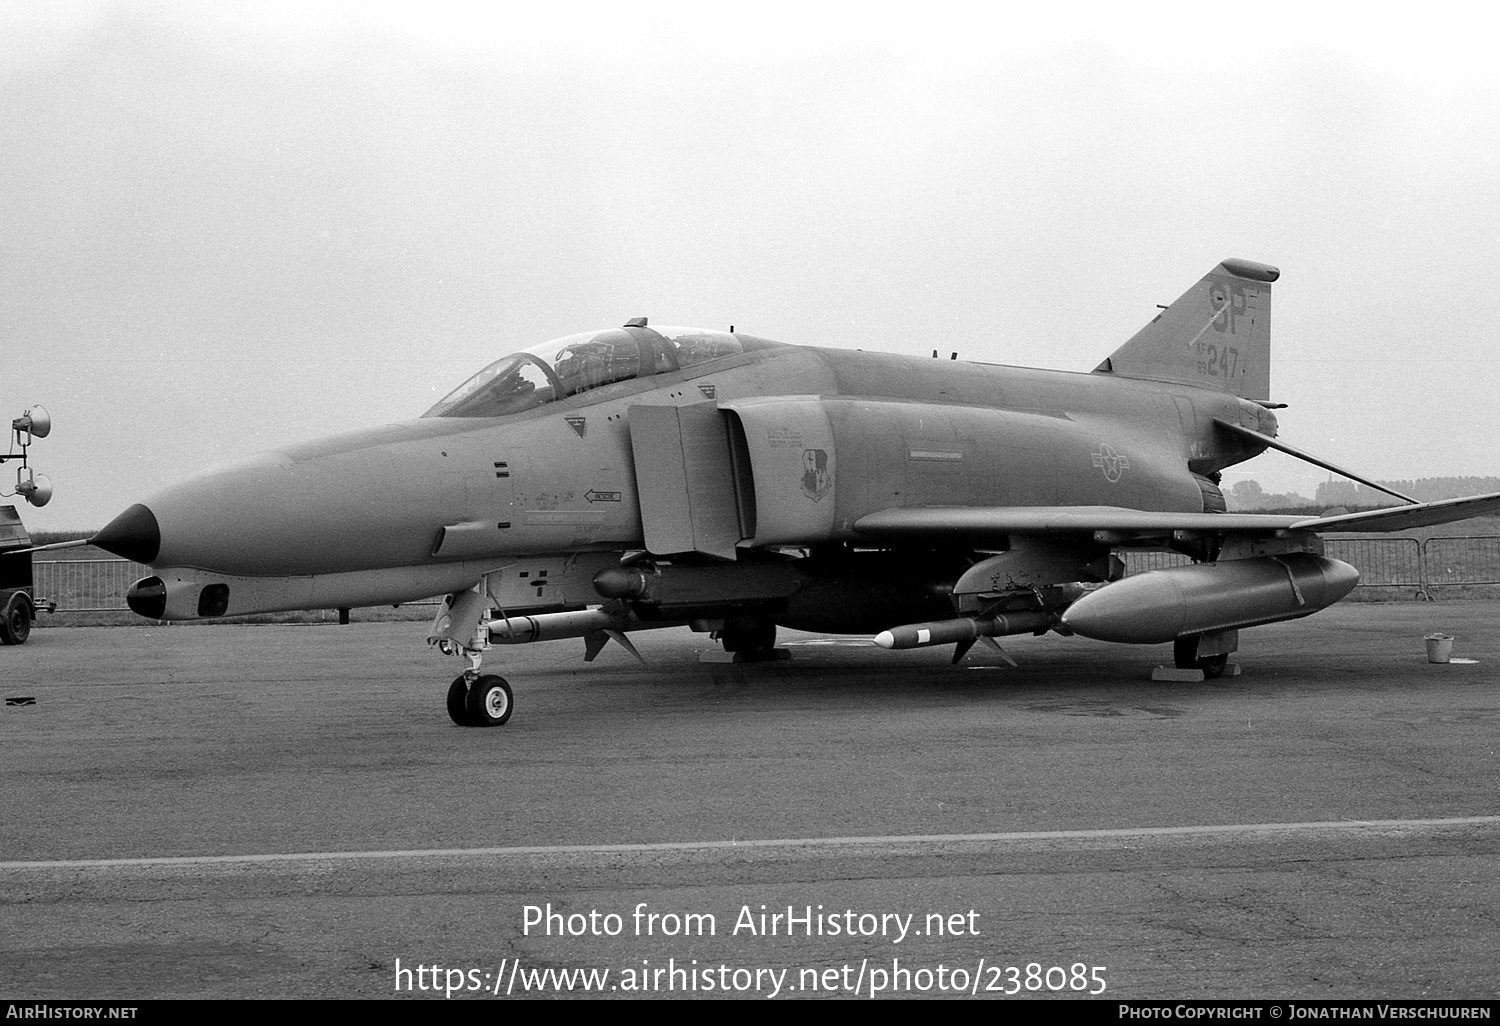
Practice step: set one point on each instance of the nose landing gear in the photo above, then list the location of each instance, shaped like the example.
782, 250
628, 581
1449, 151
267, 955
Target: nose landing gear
474, 699
486, 701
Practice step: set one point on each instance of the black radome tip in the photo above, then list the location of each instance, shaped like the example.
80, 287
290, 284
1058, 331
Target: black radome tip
133, 534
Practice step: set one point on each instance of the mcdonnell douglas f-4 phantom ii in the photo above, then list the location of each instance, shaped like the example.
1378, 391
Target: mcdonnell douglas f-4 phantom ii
648, 476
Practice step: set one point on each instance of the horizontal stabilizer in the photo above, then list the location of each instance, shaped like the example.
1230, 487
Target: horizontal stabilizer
1270, 442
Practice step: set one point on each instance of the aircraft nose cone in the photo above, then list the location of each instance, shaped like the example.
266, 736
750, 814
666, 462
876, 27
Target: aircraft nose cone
133, 534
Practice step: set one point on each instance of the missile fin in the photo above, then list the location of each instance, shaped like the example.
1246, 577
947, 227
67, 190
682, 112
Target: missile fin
1000, 651
627, 645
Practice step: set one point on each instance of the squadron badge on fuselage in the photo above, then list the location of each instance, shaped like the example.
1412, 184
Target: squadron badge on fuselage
816, 479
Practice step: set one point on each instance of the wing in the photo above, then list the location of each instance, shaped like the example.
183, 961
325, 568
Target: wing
1402, 518
979, 523
1117, 525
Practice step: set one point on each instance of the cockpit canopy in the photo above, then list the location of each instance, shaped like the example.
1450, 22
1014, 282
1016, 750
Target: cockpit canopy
576, 363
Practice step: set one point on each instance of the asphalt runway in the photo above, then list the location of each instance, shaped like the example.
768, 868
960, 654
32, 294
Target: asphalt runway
266, 811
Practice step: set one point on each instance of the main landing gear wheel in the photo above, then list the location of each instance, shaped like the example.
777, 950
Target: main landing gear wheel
490, 702
1185, 655
748, 635
15, 623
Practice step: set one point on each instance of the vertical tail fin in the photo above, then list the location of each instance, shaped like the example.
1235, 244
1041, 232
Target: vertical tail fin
1216, 335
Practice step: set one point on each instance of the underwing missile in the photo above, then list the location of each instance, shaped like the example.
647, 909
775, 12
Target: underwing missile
522, 630
960, 630
1163, 605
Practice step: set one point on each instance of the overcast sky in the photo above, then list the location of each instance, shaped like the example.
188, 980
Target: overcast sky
229, 226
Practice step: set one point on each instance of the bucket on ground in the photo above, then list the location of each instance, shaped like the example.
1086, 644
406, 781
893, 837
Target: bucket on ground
1439, 648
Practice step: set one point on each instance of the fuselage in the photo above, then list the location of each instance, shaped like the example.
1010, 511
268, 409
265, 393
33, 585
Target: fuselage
817, 438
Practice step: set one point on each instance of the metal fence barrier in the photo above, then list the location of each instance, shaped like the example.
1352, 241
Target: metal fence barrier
86, 585
97, 585
1456, 561
100, 585
1382, 562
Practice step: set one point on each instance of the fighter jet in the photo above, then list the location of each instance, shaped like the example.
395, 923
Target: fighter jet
647, 476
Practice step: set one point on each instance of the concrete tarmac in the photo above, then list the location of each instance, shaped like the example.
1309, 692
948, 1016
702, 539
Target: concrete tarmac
267, 811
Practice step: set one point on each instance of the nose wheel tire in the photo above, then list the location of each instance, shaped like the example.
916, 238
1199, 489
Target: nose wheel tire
488, 703
458, 703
